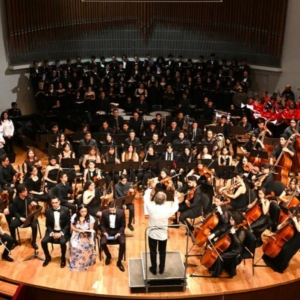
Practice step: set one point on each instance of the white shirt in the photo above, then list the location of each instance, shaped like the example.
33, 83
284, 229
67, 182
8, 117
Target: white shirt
56, 220
112, 221
8, 128
158, 216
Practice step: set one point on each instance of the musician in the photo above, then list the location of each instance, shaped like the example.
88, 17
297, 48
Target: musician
293, 128
87, 140
20, 209
181, 140
65, 193
8, 241
102, 103
116, 121
264, 221
142, 105
253, 144
245, 82
282, 146
66, 152
92, 155
231, 257
158, 122
194, 131
261, 129
151, 130
179, 120
106, 129
35, 186
266, 180
186, 155
109, 140
204, 154
288, 93
159, 213
224, 159
164, 180
31, 160
239, 197
153, 142
58, 230
209, 138
122, 189
91, 172
135, 122
111, 157
7, 176
291, 189
51, 172
132, 139
280, 262
8, 132
190, 208
173, 128
113, 225
125, 129
245, 124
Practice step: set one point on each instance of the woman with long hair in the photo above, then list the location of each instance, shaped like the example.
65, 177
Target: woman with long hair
8, 132
31, 161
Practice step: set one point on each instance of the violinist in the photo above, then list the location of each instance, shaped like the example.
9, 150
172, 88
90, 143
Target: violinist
190, 208
253, 144
165, 181
259, 225
20, 210
122, 189
201, 172
282, 146
265, 179
238, 199
281, 261
246, 168
229, 259
186, 155
91, 172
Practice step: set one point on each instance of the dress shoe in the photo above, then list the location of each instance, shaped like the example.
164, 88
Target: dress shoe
161, 271
7, 258
130, 227
63, 263
120, 266
34, 246
152, 270
107, 260
47, 260
14, 246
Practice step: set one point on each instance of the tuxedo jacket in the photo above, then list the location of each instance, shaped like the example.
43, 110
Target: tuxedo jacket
64, 220
120, 221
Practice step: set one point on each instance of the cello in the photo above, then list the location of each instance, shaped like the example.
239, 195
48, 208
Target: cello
296, 157
274, 243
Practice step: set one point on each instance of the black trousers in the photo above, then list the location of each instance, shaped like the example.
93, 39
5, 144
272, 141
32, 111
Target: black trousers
9, 240
17, 223
162, 247
121, 242
49, 239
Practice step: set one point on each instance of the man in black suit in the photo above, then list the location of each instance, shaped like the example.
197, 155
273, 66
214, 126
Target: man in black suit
194, 131
132, 139
112, 226
20, 210
87, 140
58, 230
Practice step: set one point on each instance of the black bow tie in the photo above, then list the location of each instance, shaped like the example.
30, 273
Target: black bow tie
113, 214
57, 210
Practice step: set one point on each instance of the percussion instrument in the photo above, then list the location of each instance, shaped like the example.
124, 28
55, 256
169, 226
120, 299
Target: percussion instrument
219, 114
163, 113
239, 98
101, 112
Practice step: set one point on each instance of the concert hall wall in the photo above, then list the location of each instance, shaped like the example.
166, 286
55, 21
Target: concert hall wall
41, 29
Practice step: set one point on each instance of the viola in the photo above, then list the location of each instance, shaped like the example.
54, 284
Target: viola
204, 230
167, 182
191, 193
248, 167
274, 244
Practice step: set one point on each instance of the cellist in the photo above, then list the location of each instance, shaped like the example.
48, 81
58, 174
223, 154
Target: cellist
282, 146
229, 259
253, 144
281, 261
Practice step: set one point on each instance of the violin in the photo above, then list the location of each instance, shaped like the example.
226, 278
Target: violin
248, 167
4, 202
221, 245
167, 182
206, 172
190, 194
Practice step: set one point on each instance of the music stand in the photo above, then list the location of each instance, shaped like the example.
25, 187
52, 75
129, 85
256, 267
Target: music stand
271, 141
237, 130
198, 138
217, 129
186, 165
179, 147
150, 164
138, 149
124, 200
259, 154
160, 148
207, 189
69, 162
208, 146
119, 138
53, 151
82, 150
224, 169
76, 136
165, 164
99, 136
30, 218
130, 165
114, 168
145, 140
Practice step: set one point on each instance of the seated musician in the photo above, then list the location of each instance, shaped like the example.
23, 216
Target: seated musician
91, 172
204, 154
111, 157
109, 140
158, 122
8, 176
262, 129
173, 127
291, 190
20, 209
181, 139
291, 129
66, 152
153, 142
209, 138
190, 208
265, 179
116, 121
186, 155
225, 159
65, 192
51, 173
132, 139
125, 129
61, 140
57, 230
169, 155
31, 160
264, 220
239, 198
151, 130
105, 128
245, 124
91, 155
8, 241
127, 156
231, 257
289, 248
87, 140
164, 181
200, 171
253, 144
282, 146
194, 131
124, 188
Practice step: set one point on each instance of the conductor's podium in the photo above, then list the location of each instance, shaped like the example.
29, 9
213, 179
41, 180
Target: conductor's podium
142, 280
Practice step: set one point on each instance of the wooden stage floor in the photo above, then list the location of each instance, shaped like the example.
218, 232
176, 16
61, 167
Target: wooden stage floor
109, 281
